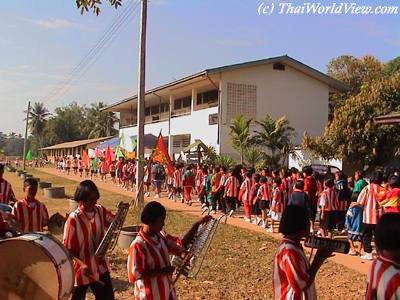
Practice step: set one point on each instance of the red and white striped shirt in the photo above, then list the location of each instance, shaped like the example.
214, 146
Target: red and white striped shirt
232, 187
277, 205
367, 199
263, 192
383, 280
6, 192
245, 190
148, 253
32, 215
178, 178
290, 278
328, 200
199, 178
82, 236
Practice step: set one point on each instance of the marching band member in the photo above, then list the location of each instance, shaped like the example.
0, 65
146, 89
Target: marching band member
83, 232
149, 266
30, 213
384, 274
293, 276
6, 192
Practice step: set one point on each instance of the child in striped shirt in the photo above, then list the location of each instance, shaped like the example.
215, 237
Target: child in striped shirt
277, 204
384, 274
31, 214
329, 207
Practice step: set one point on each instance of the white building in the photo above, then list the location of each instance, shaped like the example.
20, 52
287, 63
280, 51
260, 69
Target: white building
200, 106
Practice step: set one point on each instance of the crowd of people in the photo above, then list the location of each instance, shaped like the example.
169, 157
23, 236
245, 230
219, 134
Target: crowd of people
337, 204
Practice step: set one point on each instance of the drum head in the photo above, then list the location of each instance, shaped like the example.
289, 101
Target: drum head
26, 272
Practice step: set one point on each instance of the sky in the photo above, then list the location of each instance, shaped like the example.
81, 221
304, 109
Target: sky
42, 43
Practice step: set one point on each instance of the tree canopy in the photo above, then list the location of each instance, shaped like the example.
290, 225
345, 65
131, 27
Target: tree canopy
94, 5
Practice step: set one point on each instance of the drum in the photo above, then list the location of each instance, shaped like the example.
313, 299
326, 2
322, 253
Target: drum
35, 266
5, 208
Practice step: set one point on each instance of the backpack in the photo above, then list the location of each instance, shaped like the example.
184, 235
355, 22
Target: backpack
159, 172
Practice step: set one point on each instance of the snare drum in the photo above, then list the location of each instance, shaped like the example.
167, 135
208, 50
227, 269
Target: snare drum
35, 266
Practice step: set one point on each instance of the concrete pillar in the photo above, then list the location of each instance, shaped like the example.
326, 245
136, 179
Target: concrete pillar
171, 107
194, 99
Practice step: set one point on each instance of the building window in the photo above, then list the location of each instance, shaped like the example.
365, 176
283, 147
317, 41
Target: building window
187, 102
241, 100
177, 104
209, 98
147, 111
213, 119
279, 67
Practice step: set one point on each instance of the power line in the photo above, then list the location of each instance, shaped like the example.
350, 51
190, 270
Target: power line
93, 54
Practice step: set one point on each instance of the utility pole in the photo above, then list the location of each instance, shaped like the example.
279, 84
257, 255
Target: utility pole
141, 106
26, 133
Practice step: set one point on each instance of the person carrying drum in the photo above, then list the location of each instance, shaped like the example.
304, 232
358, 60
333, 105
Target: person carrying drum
30, 213
83, 232
6, 192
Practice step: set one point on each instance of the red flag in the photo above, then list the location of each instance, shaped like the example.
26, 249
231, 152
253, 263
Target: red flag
85, 158
160, 154
109, 155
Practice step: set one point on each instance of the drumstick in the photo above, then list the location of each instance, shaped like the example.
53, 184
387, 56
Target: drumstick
82, 265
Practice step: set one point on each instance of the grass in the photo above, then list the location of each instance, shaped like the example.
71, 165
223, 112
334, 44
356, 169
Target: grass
239, 264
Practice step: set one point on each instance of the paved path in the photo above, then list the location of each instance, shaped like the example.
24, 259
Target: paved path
351, 262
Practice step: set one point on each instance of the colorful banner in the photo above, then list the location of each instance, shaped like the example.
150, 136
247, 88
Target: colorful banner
160, 154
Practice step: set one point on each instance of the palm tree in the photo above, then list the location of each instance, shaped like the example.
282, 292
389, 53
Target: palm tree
224, 161
100, 123
276, 135
37, 119
240, 134
254, 156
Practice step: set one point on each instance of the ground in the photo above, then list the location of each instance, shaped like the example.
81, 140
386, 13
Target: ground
238, 266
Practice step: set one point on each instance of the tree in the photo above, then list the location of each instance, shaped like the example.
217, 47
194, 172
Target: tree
100, 123
393, 66
94, 5
355, 73
276, 136
224, 161
353, 135
37, 119
254, 156
240, 134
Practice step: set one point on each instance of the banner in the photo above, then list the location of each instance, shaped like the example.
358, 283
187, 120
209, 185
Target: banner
160, 154
109, 156
85, 158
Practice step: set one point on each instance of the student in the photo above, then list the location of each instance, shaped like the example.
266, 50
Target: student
147, 178
359, 184
215, 183
277, 204
343, 196
371, 212
188, 181
149, 266
80, 167
245, 197
67, 164
178, 182
113, 172
255, 201
199, 180
6, 192
383, 281
353, 225
299, 197
83, 232
390, 200
75, 165
158, 176
231, 192
263, 195
31, 214
293, 276
119, 165
310, 187
329, 207
220, 191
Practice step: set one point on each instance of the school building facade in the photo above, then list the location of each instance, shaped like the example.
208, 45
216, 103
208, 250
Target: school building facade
201, 106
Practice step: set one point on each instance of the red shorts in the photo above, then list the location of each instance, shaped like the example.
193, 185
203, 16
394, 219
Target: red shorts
187, 190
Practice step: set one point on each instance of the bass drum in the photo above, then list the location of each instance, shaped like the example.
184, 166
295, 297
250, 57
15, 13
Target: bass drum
35, 266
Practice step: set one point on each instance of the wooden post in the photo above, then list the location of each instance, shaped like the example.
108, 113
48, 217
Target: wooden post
26, 134
141, 99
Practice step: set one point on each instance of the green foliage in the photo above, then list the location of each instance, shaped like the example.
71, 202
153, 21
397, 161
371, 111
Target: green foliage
254, 156
12, 144
393, 66
94, 5
37, 120
240, 134
100, 123
355, 72
224, 161
276, 136
354, 135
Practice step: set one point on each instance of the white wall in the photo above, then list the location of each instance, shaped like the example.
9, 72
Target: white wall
195, 124
299, 97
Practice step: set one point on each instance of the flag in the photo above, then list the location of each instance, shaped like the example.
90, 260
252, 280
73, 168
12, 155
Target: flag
91, 153
160, 154
98, 152
29, 155
133, 144
109, 155
85, 158
118, 153
94, 163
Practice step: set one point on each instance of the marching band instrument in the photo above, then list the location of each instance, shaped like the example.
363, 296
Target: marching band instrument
335, 245
56, 224
35, 266
190, 265
110, 238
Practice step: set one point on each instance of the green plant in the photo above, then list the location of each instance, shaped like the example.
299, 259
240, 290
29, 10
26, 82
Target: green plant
224, 161
240, 134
